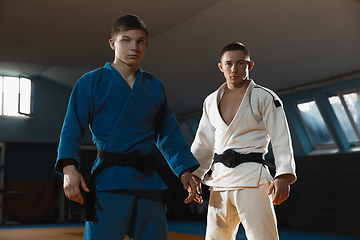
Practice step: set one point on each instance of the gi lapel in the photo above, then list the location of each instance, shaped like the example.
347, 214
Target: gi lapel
126, 111
237, 118
90, 196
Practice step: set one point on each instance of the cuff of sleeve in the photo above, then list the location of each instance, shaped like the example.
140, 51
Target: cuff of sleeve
61, 163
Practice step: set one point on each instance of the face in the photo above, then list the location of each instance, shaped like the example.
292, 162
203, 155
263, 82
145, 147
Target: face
129, 47
235, 66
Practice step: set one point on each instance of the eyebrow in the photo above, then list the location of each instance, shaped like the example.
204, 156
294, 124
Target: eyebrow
125, 36
241, 60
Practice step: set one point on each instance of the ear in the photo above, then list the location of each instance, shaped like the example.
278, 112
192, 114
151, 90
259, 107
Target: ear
220, 67
112, 43
251, 65
147, 44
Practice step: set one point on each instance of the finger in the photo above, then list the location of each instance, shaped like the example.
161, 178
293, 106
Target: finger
190, 198
84, 186
283, 198
76, 195
192, 193
198, 199
198, 185
279, 201
271, 188
79, 199
276, 197
198, 189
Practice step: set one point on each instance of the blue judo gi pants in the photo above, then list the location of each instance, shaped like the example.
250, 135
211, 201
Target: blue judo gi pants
139, 214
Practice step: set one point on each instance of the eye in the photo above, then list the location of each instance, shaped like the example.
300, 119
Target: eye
126, 40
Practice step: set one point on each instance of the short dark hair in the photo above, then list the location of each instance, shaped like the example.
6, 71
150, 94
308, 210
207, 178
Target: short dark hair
128, 22
234, 47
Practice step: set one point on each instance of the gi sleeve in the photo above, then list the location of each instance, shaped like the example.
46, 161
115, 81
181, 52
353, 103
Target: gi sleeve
171, 140
203, 144
75, 124
277, 127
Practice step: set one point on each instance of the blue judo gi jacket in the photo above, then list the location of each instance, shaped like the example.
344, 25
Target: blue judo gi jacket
124, 120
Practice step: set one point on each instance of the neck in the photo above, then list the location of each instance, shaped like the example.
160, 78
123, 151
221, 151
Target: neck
127, 72
239, 87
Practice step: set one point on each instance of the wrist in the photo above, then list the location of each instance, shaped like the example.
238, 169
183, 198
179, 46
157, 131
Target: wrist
285, 177
67, 161
186, 171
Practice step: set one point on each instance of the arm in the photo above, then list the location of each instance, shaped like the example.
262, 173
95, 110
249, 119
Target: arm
75, 124
172, 144
276, 125
203, 145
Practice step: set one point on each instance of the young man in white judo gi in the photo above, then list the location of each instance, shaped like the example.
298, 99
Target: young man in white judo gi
234, 132
127, 112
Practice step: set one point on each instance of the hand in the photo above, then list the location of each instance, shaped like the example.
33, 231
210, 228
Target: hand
197, 181
192, 186
72, 180
281, 187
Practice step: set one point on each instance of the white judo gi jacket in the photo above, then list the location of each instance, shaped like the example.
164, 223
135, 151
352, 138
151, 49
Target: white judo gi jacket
257, 120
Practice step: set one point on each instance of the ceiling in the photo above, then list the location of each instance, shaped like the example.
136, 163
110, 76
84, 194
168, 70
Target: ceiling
291, 42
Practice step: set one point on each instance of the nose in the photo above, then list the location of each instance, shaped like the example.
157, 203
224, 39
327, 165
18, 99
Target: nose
234, 68
135, 46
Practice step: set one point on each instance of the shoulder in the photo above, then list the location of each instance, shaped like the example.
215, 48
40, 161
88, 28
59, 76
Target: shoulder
149, 76
211, 101
211, 96
264, 94
152, 81
87, 81
263, 91
214, 95
94, 74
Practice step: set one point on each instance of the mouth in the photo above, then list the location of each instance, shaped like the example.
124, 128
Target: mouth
133, 56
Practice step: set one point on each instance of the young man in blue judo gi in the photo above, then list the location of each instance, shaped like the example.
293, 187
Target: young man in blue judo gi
130, 120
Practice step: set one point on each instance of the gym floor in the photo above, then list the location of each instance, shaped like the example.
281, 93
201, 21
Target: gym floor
178, 230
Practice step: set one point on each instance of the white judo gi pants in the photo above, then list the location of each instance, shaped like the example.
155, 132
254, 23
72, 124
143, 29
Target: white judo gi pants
250, 206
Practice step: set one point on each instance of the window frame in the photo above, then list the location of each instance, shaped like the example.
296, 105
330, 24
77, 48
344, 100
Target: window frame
306, 128
341, 94
19, 97
31, 97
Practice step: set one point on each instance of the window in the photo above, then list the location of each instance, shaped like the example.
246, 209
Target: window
15, 97
352, 101
343, 117
314, 123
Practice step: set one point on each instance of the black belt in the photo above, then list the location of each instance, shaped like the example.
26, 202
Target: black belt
135, 160
231, 159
